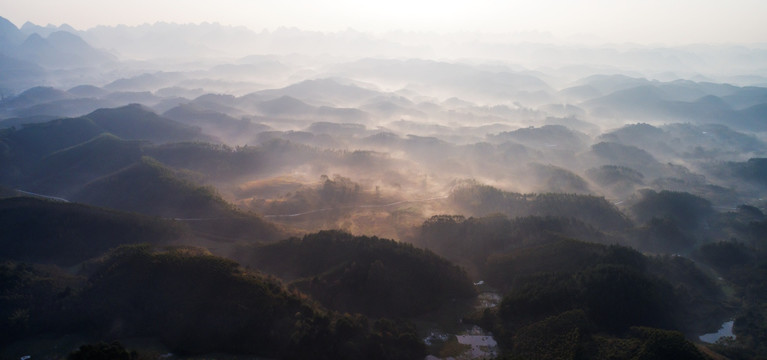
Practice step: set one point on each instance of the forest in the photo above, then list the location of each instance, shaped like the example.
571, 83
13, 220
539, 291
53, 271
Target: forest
289, 206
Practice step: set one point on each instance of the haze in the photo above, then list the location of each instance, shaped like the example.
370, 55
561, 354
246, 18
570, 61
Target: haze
643, 22
547, 180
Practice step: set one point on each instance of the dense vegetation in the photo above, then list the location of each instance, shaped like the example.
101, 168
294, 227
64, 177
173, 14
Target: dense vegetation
376, 277
472, 241
50, 232
148, 187
608, 247
476, 199
63, 172
195, 303
589, 299
745, 268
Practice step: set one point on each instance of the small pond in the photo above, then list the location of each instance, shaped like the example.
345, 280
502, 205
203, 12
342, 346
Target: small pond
725, 331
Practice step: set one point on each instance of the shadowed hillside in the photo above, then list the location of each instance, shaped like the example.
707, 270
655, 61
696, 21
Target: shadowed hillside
376, 277
43, 231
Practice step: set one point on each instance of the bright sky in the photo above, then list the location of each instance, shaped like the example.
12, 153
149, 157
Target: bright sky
640, 21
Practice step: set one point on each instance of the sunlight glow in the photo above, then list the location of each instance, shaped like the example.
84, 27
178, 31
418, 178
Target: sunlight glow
683, 21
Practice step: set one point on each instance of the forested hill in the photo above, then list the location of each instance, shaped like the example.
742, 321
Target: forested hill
53, 232
194, 303
148, 187
478, 200
377, 277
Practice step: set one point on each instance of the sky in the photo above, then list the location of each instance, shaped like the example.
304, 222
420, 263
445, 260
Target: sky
669, 22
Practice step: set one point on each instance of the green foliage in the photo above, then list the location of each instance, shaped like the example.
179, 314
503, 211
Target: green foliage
44, 138
746, 224
702, 304
556, 337
470, 242
615, 176
64, 171
66, 234
684, 209
216, 161
21, 149
337, 193
563, 256
480, 200
662, 235
750, 327
642, 343
377, 277
615, 286
339, 190
198, 303
34, 299
724, 256
614, 298
626, 155
753, 170
102, 351
147, 187
662, 344
617, 297
559, 180
134, 122
150, 188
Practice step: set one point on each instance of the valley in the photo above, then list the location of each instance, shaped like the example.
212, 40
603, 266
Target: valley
303, 205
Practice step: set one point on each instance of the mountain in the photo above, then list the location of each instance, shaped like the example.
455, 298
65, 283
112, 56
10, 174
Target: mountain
64, 172
480, 200
620, 180
442, 77
215, 123
65, 108
285, 106
192, 303
33, 141
556, 137
752, 118
686, 210
145, 82
611, 153
19, 75
708, 108
606, 84
376, 277
746, 97
134, 122
392, 109
323, 91
214, 161
61, 50
29, 28
579, 93
558, 180
51, 232
87, 91
148, 187
34, 96
25, 146
641, 101
10, 35
19, 121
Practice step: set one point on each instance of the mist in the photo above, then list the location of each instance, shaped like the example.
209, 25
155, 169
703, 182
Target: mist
502, 179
